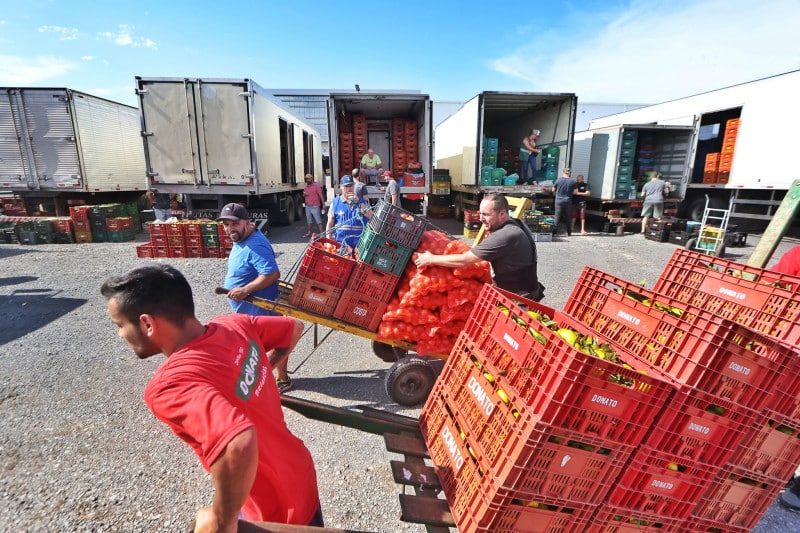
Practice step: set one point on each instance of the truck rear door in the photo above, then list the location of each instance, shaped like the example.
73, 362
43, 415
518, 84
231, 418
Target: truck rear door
170, 131
225, 133
15, 158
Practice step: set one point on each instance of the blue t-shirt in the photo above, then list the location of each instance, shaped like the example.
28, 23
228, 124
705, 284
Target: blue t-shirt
249, 259
349, 220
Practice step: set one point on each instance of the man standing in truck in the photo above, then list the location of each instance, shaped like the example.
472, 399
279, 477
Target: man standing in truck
654, 192
527, 156
370, 163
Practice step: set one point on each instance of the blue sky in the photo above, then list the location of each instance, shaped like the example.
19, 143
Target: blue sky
614, 51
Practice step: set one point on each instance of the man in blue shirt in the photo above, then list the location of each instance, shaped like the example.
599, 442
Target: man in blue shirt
347, 214
252, 270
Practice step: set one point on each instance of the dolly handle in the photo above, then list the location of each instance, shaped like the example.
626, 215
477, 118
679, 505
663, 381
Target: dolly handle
221, 290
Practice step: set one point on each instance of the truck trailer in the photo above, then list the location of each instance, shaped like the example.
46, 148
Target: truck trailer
733, 145
216, 141
58, 144
397, 126
507, 117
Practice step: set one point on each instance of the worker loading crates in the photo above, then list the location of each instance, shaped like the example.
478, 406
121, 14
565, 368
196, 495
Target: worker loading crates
674, 409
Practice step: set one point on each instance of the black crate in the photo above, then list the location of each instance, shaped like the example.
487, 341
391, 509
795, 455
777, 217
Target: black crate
671, 224
737, 239
679, 237
439, 199
397, 224
656, 235
472, 225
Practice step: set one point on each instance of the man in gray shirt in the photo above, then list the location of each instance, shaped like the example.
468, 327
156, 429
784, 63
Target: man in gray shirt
392, 194
564, 188
653, 192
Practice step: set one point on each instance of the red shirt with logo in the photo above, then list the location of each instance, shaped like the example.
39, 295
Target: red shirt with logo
221, 384
789, 262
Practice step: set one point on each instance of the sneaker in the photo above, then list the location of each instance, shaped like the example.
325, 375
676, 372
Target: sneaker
284, 385
789, 501
306, 235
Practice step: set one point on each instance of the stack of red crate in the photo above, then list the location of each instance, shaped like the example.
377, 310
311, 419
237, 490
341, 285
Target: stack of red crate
14, 207
360, 141
80, 219
524, 428
728, 147
398, 146
346, 161
183, 239
711, 168
323, 274
411, 147
767, 456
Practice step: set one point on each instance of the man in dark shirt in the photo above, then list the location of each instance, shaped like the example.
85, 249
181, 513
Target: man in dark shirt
509, 248
579, 203
563, 188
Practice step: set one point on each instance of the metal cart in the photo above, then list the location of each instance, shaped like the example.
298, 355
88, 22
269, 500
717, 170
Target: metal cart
711, 238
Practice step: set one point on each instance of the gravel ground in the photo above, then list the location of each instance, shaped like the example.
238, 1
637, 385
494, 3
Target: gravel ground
79, 451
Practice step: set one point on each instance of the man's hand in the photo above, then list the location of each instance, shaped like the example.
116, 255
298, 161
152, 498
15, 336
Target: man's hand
205, 521
238, 294
423, 259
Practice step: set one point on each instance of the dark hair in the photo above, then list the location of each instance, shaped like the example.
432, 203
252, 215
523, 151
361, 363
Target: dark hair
498, 200
159, 290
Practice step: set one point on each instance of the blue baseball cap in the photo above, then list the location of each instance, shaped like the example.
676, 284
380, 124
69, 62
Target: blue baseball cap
346, 180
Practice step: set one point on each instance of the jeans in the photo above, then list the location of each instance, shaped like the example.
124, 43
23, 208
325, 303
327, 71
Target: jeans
529, 170
161, 214
563, 214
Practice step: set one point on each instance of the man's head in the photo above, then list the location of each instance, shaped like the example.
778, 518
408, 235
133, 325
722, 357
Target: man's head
309, 178
236, 221
580, 178
387, 175
493, 211
146, 303
567, 172
356, 173
370, 152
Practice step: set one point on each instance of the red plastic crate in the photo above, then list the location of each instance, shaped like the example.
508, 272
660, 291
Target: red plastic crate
161, 251
214, 252
611, 519
63, 225
649, 484
747, 295
175, 228
222, 233
156, 229
194, 251
119, 223
159, 240
330, 268
193, 240
194, 229
177, 252
314, 296
397, 224
698, 349
787, 392
520, 453
698, 426
175, 241
708, 526
476, 501
768, 451
557, 383
79, 212
356, 308
372, 282
738, 498
145, 251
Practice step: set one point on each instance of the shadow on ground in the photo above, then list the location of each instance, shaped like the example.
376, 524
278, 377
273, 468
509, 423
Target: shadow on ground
25, 311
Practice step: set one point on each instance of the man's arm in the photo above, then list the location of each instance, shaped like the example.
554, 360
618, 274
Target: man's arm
262, 281
278, 355
450, 260
233, 474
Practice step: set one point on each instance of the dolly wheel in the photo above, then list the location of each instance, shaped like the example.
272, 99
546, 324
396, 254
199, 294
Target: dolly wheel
409, 381
387, 353
690, 243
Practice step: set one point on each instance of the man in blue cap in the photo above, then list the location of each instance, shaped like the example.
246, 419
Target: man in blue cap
347, 214
252, 271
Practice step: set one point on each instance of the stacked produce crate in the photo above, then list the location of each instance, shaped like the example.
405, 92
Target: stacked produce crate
660, 230
439, 197
728, 147
541, 226
80, 219
188, 238
712, 168
346, 155
14, 207
627, 159
490, 174
524, 427
472, 223
679, 411
359, 139
549, 169
769, 303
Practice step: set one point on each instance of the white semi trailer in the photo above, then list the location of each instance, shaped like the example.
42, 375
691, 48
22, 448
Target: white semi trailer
216, 141
58, 144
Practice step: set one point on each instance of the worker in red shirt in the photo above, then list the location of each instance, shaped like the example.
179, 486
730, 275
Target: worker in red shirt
215, 392
789, 262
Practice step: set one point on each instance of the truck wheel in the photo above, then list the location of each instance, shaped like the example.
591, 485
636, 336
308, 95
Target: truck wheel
300, 211
287, 217
409, 381
690, 243
698, 207
387, 353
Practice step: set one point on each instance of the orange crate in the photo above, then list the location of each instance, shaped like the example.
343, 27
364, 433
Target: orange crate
314, 296
360, 310
758, 298
651, 484
698, 348
531, 458
83, 236
710, 176
738, 498
722, 177
611, 519
476, 501
733, 123
772, 449
372, 282
144, 251
550, 379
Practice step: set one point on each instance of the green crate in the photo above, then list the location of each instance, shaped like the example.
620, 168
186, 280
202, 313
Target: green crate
630, 135
625, 171
629, 144
382, 253
626, 161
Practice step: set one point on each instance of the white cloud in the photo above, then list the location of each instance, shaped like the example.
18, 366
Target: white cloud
87, 58
15, 70
66, 34
658, 50
124, 37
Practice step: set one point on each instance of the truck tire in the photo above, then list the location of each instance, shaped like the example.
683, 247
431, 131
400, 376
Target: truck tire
387, 353
698, 207
300, 211
409, 381
287, 217
458, 207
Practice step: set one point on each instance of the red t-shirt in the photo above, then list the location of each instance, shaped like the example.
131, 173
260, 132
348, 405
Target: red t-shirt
312, 194
221, 384
789, 262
